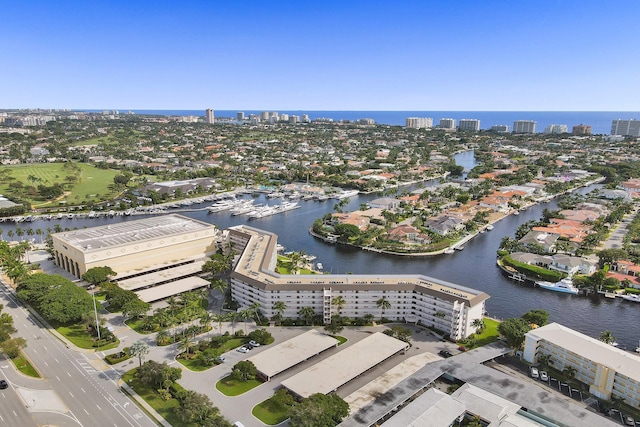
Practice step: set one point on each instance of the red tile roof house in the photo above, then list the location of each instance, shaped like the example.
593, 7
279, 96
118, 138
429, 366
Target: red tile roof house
407, 233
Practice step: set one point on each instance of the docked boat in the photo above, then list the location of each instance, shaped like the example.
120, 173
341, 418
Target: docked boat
631, 297
565, 286
449, 251
346, 194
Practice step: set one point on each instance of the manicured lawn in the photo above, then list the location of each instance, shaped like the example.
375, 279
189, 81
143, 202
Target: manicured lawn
489, 334
231, 387
193, 364
92, 182
165, 408
80, 338
270, 413
136, 325
24, 366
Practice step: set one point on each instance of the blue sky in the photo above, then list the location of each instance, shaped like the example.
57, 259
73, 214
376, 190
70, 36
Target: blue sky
327, 55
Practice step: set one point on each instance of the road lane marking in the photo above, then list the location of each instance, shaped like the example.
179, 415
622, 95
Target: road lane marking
84, 392
69, 374
46, 363
98, 406
14, 412
58, 378
86, 411
56, 360
71, 394
45, 347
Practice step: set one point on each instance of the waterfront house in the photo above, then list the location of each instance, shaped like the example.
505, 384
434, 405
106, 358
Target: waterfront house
444, 225
387, 203
407, 234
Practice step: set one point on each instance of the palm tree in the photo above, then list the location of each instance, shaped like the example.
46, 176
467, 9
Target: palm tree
206, 319
607, 337
307, 313
570, 372
10, 234
245, 315
162, 337
478, 324
185, 343
220, 285
280, 307
383, 304
38, 233
339, 302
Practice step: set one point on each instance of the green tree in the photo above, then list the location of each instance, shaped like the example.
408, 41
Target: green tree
307, 313
135, 308
335, 326
319, 410
537, 317
339, 303
244, 370
96, 275
607, 337
478, 324
56, 297
139, 349
280, 307
12, 346
383, 304
514, 330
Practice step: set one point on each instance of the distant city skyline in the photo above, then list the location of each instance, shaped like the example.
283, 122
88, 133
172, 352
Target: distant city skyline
420, 56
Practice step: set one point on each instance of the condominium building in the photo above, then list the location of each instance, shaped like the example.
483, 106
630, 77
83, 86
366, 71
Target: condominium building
609, 371
209, 117
581, 129
449, 124
240, 116
293, 119
625, 127
413, 298
469, 125
418, 122
264, 116
500, 128
556, 129
524, 126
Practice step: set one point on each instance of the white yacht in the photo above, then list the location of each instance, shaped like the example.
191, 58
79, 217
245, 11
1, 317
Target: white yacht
565, 286
631, 297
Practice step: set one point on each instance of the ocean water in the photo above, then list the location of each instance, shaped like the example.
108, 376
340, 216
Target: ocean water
600, 121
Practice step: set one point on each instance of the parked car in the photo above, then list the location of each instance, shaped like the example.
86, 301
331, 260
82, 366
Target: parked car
3, 384
544, 376
445, 353
535, 373
221, 359
254, 344
629, 421
242, 349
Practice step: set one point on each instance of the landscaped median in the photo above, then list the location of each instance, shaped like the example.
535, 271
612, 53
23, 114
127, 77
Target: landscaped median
23, 365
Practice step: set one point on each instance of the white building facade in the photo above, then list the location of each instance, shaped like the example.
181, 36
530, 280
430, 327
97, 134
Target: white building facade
469, 125
609, 371
625, 127
431, 302
419, 122
524, 126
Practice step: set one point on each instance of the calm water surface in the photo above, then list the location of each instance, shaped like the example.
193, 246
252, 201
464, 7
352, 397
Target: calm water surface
475, 266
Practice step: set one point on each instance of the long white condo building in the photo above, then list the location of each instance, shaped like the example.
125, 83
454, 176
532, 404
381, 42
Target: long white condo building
414, 298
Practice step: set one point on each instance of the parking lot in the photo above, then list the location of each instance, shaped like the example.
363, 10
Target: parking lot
580, 393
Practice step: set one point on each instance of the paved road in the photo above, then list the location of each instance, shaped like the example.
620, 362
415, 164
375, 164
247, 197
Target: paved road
76, 386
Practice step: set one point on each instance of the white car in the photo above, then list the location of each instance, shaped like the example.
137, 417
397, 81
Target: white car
254, 344
534, 373
242, 349
544, 376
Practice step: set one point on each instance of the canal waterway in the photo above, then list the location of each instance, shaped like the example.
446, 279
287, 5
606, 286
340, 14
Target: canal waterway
474, 267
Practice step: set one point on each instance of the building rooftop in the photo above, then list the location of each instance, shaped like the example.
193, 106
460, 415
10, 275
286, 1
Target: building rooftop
621, 361
340, 368
433, 409
159, 292
138, 231
253, 267
285, 355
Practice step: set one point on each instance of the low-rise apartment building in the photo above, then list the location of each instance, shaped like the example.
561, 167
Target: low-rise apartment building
609, 371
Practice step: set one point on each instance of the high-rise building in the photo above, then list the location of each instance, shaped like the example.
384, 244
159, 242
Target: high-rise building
284, 117
471, 125
209, 117
419, 122
305, 118
581, 130
264, 116
294, 119
500, 128
447, 124
524, 126
555, 129
625, 127
240, 116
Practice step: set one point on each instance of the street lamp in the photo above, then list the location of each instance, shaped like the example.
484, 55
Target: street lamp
95, 309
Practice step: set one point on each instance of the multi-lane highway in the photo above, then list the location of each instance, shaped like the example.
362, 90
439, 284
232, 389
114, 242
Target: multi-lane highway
77, 389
